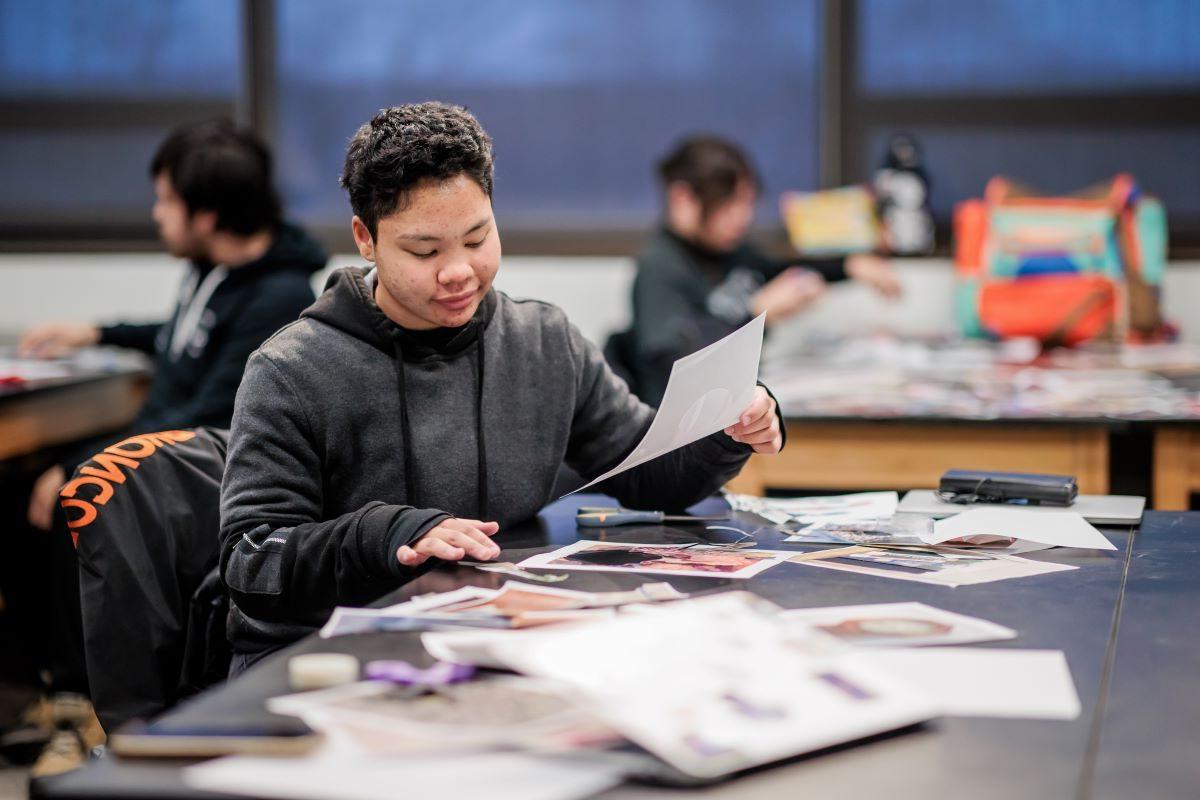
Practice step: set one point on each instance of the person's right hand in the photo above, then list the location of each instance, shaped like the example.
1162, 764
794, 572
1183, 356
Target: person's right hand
787, 293
450, 540
57, 339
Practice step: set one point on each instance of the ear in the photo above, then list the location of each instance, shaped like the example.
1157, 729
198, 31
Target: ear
204, 223
363, 239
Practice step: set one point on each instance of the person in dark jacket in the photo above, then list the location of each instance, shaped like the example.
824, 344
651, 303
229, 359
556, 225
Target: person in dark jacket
413, 410
249, 275
698, 279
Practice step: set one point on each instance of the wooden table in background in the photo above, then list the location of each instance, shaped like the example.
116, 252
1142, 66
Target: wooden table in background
1176, 465
899, 454
33, 419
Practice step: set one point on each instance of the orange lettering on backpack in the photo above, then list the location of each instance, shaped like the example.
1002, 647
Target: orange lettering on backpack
101, 472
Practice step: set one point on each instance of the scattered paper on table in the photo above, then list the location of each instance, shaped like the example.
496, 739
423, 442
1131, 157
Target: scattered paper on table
1055, 527
937, 571
986, 682
514, 605
703, 561
706, 393
898, 624
860, 507
718, 684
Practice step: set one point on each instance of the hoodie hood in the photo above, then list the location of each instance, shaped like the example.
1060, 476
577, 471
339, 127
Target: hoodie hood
292, 250
348, 304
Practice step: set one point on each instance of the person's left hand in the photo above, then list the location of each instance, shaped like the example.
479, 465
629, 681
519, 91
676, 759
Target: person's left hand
876, 272
44, 496
758, 426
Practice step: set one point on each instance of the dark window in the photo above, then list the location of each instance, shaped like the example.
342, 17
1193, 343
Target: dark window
1058, 95
87, 91
580, 98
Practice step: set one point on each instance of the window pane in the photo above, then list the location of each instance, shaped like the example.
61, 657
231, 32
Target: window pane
580, 98
1026, 46
123, 48
1061, 160
98, 176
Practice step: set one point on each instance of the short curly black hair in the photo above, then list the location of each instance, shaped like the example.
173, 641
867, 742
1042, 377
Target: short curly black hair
404, 145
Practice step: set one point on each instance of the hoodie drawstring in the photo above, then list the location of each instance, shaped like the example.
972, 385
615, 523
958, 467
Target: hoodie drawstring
410, 487
481, 490
410, 484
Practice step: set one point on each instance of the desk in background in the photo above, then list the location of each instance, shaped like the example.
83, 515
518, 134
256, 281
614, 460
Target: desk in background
1078, 612
886, 413
43, 404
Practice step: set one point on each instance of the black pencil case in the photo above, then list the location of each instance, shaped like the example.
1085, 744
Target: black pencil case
977, 486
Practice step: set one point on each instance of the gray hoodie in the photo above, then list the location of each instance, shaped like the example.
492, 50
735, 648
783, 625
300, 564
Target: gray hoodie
352, 437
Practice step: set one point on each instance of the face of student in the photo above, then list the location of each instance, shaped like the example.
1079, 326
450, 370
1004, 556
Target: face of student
724, 226
436, 256
184, 234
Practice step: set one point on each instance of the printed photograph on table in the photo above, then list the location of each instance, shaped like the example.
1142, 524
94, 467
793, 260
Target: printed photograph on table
693, 560
898, 625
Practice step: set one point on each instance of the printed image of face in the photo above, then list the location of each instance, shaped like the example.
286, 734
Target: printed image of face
436, 255
178, 229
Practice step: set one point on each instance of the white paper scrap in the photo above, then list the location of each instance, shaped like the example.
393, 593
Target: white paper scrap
705, 394
898, 625
986, 682
1059, 528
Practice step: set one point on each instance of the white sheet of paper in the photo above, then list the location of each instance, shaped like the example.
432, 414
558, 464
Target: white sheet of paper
899, 625
863, 506
1059, 528
718, 684
1001, 567
705, 394
986, 682
337, 775
345, 620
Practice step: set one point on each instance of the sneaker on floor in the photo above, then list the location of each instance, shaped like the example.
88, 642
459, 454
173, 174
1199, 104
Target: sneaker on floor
64, 753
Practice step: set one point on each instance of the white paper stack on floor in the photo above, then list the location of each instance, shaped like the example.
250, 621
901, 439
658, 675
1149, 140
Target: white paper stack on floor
1055, 527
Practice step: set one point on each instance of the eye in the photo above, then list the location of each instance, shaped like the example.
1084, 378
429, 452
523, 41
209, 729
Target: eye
477, 245
430, 254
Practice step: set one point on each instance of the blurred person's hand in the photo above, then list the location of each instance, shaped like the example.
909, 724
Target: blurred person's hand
790, 291
875, 272
57, 339
44, 496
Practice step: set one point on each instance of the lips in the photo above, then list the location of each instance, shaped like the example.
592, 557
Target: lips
456, 302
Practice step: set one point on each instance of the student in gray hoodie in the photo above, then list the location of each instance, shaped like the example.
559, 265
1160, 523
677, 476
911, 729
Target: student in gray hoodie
413, 411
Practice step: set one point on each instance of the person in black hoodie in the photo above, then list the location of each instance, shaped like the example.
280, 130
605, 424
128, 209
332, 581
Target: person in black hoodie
216, 206
698, 279
413, 410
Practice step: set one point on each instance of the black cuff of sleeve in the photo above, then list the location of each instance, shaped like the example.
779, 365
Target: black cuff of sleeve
779, 414
404, 526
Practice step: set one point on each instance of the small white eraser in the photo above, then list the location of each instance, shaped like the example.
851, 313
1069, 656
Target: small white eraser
321, 670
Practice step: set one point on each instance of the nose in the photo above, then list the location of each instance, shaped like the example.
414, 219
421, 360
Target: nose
458, 271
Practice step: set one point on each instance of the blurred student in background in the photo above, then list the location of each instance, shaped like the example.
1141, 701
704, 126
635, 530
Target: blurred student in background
215, 205
698, 279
